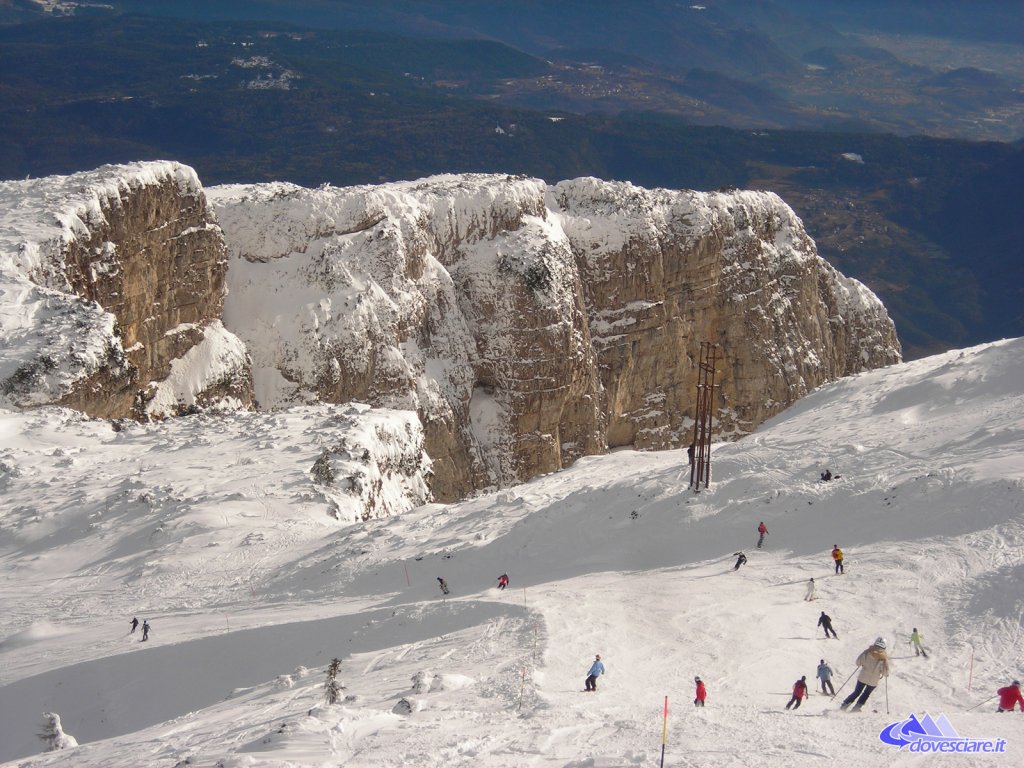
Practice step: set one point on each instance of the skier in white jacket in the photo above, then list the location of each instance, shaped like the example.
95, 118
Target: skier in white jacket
874, 665
812, 591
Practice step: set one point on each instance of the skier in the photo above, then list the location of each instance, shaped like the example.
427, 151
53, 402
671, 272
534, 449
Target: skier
135, 624
596, 670
837, 555
442, 584
825, 675
1010, 696
826, 476
702, 693
689, 453
799, 693
825, 622
874, 665
503, 581
812, 591
740, 560
763, 530
145, 630
918, 642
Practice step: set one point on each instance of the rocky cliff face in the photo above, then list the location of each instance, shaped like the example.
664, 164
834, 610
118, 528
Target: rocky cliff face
664, 270
113, 283
528, 324
525, 324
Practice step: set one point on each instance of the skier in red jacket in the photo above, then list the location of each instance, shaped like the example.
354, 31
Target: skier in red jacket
1009, 697
763, 530
799, 693
702, 693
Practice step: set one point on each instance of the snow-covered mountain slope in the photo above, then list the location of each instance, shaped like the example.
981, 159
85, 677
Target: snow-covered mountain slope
205, 527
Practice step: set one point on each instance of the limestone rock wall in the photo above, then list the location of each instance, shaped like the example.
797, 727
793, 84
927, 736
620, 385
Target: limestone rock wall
525, 324
666, 270
117, 274
530, 324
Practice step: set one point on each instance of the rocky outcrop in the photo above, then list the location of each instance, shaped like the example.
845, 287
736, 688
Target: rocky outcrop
530, 324
525, 324
114, 286
377, 467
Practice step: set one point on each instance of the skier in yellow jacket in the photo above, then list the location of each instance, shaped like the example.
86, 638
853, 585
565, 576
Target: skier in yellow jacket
918, 642
837, 555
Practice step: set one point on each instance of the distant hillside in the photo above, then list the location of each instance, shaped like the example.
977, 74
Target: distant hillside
984, 20
249, 102
646, 49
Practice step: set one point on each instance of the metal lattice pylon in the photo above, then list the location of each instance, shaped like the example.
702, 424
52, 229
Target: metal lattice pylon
700, 464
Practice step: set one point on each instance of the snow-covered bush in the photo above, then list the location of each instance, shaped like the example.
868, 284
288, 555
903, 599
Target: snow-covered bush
283, 682
53, 734
419, 682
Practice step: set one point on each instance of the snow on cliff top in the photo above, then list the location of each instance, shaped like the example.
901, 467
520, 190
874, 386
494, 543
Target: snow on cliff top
618, 209
302, 215
37, 216
204, 527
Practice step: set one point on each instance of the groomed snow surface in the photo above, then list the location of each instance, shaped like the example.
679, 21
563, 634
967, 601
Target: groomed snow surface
210, 528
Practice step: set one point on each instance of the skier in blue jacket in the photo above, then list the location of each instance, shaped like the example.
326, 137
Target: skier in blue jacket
596, 670
825, 675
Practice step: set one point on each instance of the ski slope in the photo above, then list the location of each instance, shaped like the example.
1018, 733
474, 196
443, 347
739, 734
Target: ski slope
202, 526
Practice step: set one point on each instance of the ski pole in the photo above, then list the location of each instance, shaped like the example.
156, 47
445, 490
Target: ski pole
887, 695
970, 675
844, 684
986, 701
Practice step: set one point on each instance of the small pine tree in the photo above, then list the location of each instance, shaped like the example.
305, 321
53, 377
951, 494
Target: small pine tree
332, 688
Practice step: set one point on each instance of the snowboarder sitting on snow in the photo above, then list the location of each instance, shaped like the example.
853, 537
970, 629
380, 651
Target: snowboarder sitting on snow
874, 665
837, 555
702, 693
763, 530
145, 631
812, 591
135, 624
503, 581
826, 476
1009, 697
825, 622
596, 670
740, 560
442, 584
799, 693
918, 642
825, 675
